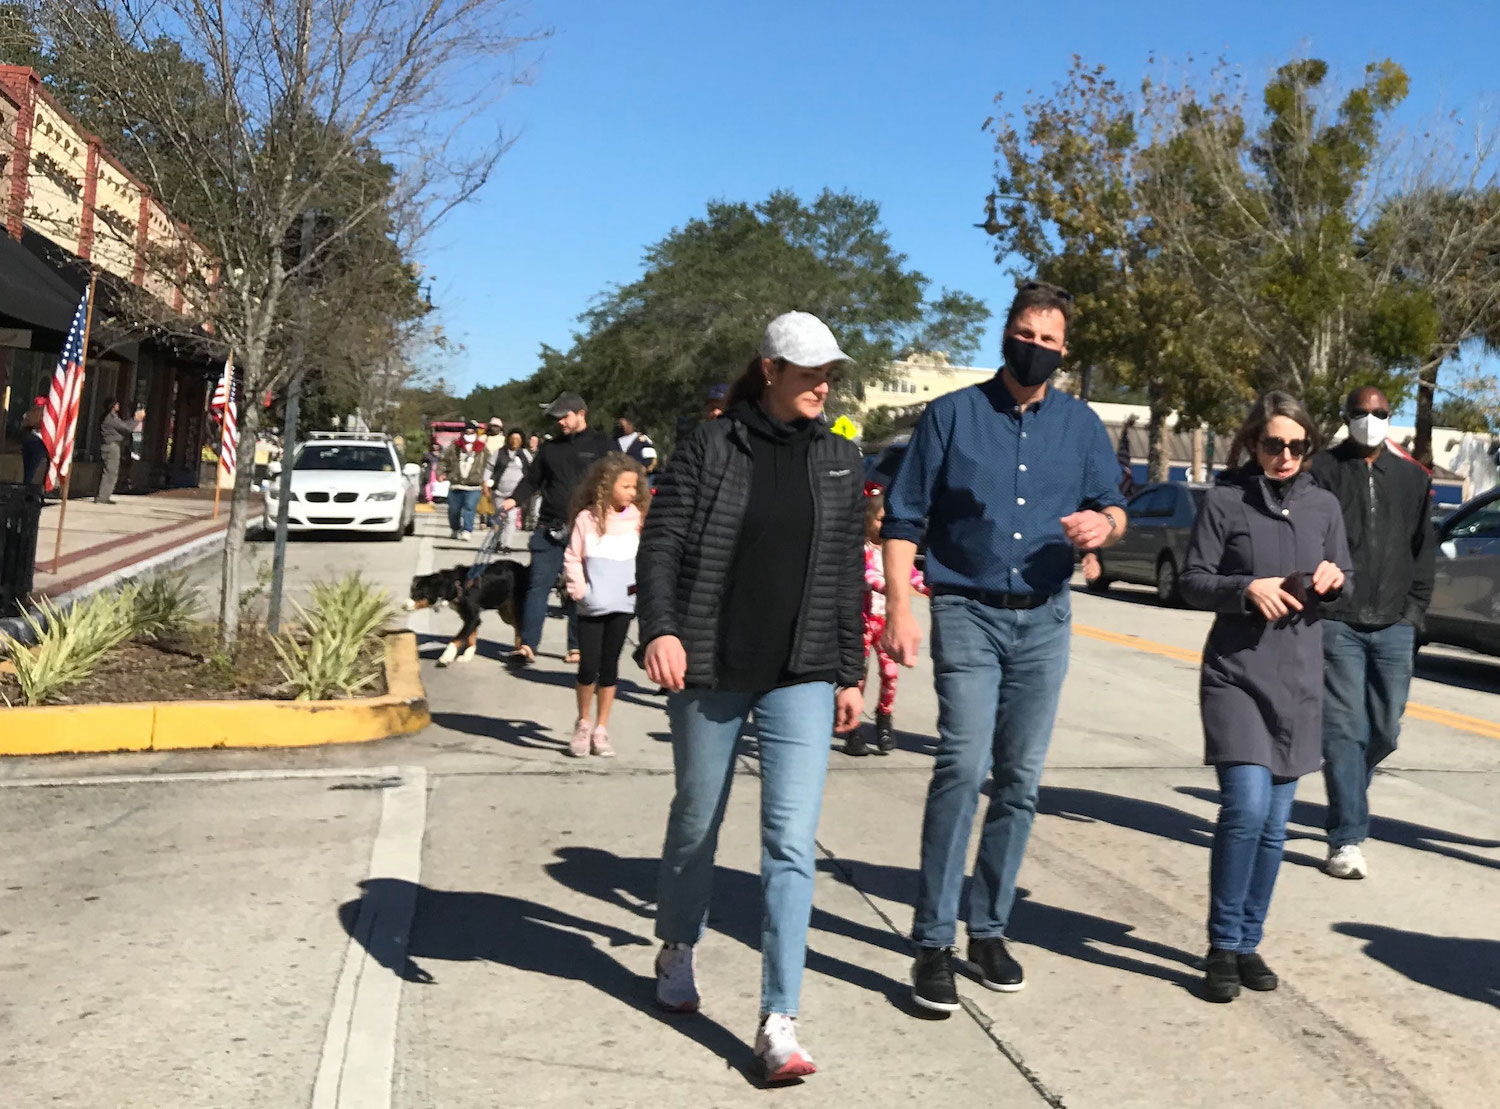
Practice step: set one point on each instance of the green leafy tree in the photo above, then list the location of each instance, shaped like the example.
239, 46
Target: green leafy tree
695, 315
1080, 181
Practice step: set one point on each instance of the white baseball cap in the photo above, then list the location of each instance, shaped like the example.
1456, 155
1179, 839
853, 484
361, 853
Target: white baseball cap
802, 339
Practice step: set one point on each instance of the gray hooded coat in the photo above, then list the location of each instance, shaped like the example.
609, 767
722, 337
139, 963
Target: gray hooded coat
1261, 686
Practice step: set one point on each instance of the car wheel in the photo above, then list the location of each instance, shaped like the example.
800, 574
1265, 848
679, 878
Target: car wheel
1168, 591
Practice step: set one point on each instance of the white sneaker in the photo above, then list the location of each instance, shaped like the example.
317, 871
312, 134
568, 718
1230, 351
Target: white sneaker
1347, 861
779, 1053
466, 536
676, 990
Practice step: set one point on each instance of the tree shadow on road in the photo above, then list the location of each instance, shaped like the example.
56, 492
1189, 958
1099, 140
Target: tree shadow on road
1418, 837
1467, 968
735, 911
627, 691
1074, 935
1150, 817
468, 926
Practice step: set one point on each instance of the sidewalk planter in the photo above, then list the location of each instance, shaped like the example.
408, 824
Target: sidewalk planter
178, 725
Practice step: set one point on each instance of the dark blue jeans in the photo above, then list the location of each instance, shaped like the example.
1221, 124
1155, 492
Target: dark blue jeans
1366, 675
999, 675
1248, 841
546, 564
462, 504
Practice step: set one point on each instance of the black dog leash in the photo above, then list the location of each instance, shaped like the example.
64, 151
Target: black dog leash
486, 555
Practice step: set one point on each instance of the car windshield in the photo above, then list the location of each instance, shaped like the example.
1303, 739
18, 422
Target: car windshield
345, 456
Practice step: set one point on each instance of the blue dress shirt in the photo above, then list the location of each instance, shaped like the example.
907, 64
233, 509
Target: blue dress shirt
992, 484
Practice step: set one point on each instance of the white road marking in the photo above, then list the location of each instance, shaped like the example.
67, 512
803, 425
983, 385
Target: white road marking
359, 1050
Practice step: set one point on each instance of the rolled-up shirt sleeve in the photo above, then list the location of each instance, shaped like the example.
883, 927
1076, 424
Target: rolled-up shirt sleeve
910, 496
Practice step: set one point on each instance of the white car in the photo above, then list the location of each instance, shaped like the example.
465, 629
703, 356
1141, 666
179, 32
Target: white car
347, 483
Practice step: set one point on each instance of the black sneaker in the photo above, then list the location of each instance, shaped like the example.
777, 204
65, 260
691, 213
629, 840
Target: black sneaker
932, 985
997, 970
1255, 975
854, 743
885, 735
1221, 975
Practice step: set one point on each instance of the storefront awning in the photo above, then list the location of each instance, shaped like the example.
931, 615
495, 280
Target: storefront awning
32, 291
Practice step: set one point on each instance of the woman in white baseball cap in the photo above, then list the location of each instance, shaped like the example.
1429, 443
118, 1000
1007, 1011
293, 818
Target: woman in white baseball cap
751, 582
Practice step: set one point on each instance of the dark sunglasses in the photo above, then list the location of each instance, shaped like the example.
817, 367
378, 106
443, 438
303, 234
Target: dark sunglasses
1378, 413
1274, 446
1060, 293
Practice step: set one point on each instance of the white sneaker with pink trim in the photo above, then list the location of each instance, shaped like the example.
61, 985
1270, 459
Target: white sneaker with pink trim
578, 746
778, 1051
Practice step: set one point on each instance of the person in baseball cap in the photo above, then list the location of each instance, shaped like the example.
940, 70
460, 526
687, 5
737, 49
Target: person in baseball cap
565, 405
797, 354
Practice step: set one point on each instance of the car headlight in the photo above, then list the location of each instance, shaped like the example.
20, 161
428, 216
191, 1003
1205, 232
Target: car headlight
386, 496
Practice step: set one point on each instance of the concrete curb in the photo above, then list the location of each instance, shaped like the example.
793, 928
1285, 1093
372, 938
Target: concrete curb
190, 552
177, 725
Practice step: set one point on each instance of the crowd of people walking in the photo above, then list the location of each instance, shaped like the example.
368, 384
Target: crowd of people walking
764, 574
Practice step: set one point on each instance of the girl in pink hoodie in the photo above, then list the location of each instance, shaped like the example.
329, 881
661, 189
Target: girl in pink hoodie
599, 570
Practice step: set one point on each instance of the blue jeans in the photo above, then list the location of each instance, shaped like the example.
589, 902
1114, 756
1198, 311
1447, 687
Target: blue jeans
546, 564
999, 675
1253, 811
793, 724
462, 504
1366, 675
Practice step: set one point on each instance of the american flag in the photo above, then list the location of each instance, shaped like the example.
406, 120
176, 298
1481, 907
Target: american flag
225, 408
60, 420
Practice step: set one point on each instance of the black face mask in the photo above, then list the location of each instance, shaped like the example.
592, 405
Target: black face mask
1029, 364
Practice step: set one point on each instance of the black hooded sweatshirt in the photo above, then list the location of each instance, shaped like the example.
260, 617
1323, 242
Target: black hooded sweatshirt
768, 571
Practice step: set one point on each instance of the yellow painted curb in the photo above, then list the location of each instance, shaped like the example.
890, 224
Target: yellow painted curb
176, 725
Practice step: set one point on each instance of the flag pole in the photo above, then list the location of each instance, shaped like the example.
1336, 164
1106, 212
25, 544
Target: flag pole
83, 363
219, 466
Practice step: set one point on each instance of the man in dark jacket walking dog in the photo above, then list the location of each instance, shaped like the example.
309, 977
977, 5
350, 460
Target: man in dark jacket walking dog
558, 468
1369, 635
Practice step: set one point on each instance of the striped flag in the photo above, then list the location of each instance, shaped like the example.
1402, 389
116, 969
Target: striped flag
225, 408
60, 420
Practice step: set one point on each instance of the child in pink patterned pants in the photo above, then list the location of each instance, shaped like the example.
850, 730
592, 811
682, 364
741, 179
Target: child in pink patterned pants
885, 736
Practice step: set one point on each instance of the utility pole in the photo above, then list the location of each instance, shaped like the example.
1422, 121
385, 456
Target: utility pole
289, 433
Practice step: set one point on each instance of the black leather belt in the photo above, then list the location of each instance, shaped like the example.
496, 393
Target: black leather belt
992, 599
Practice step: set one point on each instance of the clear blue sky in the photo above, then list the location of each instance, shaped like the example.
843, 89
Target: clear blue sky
642, 113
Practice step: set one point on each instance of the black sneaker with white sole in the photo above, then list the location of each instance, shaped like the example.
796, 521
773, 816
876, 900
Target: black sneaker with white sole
932, 985
995, 967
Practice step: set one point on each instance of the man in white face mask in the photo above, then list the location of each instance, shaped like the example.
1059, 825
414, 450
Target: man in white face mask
1369, 634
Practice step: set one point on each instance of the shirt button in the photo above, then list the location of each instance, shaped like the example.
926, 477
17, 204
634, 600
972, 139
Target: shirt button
1023, 468
1286, 511
1023, 435
1017, 535
1020, 500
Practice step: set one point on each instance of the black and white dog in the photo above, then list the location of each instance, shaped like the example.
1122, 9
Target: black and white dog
502, 587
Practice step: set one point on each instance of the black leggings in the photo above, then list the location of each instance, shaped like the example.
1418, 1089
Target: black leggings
600, 641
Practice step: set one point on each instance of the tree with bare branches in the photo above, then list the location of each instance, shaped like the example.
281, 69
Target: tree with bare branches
242, 116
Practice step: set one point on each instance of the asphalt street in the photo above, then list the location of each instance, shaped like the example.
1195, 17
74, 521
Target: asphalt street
464, 917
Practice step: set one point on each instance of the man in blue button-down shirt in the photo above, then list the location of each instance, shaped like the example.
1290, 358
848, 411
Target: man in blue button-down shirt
1010, 479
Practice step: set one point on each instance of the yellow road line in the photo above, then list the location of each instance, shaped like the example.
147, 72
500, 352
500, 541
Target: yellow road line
1433, 715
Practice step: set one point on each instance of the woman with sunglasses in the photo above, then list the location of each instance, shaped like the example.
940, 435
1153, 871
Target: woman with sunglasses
1267, 549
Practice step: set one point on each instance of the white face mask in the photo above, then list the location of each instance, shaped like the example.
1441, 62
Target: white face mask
1368, 431
469, 437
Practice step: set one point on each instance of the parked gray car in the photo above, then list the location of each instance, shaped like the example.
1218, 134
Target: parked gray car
1155, 543
1465, 610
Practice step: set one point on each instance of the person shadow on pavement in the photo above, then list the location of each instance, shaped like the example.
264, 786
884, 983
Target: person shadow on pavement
1074, 935
735, 911
1151, 817
469, 926
1418, 837
1468, 968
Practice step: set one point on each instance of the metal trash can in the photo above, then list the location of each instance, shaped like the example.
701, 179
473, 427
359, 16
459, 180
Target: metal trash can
20, 520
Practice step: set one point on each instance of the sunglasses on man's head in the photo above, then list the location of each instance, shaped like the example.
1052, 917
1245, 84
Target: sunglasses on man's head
1274, 446
1033, 286
1378, 413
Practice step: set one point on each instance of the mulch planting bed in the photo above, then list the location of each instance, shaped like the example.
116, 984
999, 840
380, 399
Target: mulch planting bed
187, 670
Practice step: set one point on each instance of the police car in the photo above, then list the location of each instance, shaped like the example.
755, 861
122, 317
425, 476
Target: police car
347, 482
